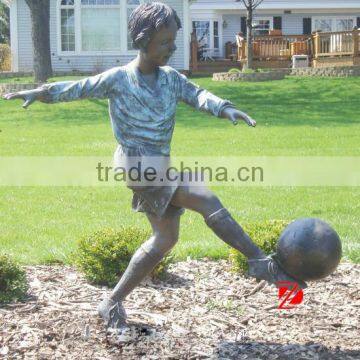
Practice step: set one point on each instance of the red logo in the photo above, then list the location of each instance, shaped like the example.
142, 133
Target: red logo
289, 295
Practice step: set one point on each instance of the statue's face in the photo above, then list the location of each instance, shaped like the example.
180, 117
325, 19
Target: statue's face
162, 45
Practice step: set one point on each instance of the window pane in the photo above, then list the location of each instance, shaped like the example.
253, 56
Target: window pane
216, 34
323, 25
133, 2
216, 28
67, 30
261, 27
129, 41
202, 29
67, 2
344, 24
100, 29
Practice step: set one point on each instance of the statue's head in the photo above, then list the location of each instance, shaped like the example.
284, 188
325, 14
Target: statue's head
153, 28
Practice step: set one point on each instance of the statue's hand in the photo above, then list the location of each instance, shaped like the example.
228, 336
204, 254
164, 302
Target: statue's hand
234, 115
268, 269
29, 96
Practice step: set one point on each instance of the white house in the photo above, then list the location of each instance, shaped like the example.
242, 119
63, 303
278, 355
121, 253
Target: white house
88, 35
218, 21
91, 35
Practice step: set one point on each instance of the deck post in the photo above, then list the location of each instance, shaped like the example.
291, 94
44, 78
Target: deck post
316, 40
355, 38
194, 52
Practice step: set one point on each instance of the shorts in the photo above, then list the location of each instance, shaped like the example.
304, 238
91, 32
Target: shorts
153, 200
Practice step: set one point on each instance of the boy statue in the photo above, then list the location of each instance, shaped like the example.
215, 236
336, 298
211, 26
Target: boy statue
142, 103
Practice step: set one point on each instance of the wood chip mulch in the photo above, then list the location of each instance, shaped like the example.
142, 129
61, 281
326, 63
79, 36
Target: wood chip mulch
201, 311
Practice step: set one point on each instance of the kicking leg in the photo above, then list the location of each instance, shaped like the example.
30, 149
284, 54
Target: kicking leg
149, 254
204, 201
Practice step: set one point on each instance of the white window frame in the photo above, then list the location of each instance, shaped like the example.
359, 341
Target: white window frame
333, 18
125, 30
215, 52
59, 8
78, 44
266, 18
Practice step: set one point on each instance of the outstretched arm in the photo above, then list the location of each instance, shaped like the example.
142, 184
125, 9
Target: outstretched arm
98, 86
204, 100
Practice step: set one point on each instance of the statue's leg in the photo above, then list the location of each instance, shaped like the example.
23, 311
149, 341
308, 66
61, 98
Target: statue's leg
149, 254
204, 201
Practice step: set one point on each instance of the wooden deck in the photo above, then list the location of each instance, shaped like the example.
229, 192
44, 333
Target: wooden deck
332, 48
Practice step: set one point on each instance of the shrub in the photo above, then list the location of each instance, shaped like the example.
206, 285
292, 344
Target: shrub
265, 235
13, 282
234, 71
104, 255
5, 57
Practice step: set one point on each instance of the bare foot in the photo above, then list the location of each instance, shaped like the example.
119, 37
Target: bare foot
113, 313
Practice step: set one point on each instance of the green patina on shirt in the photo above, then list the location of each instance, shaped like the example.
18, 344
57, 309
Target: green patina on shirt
140, 116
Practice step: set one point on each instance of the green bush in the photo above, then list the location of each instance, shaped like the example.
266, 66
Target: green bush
265, 235
13, 282
104, 255
234, 71
5, 57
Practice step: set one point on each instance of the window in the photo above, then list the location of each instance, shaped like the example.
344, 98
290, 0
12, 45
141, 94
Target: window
332, 24
344, 24
131, 5
202, 30
208, 34
262, 26
100, 25
216, 35
67, 24
324, 25
94, 26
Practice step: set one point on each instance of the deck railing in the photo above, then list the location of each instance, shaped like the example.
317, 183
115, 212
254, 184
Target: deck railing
340, 43
282, 47
317, 45
277, 47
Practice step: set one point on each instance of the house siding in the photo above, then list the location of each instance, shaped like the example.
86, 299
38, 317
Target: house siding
83, 62
25, 50
279, 4
292, 24
233, 27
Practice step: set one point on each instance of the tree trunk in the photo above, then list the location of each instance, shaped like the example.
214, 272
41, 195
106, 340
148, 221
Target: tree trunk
40, 31
249, 39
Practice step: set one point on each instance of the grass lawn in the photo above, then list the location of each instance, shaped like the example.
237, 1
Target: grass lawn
296, 116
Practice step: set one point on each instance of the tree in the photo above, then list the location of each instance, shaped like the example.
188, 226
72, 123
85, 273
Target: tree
40, 32
250, 6
4, 24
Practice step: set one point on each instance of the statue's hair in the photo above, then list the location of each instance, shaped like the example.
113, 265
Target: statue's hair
146, 20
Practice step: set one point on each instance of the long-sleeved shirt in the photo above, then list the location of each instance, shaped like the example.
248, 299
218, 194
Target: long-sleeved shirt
140, 115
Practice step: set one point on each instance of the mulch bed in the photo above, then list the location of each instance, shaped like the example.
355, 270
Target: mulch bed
201, 311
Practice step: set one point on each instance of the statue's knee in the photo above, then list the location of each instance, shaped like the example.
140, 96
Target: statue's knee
165, 242
206, 201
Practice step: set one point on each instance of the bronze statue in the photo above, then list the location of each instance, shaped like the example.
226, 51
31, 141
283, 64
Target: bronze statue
142, 102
